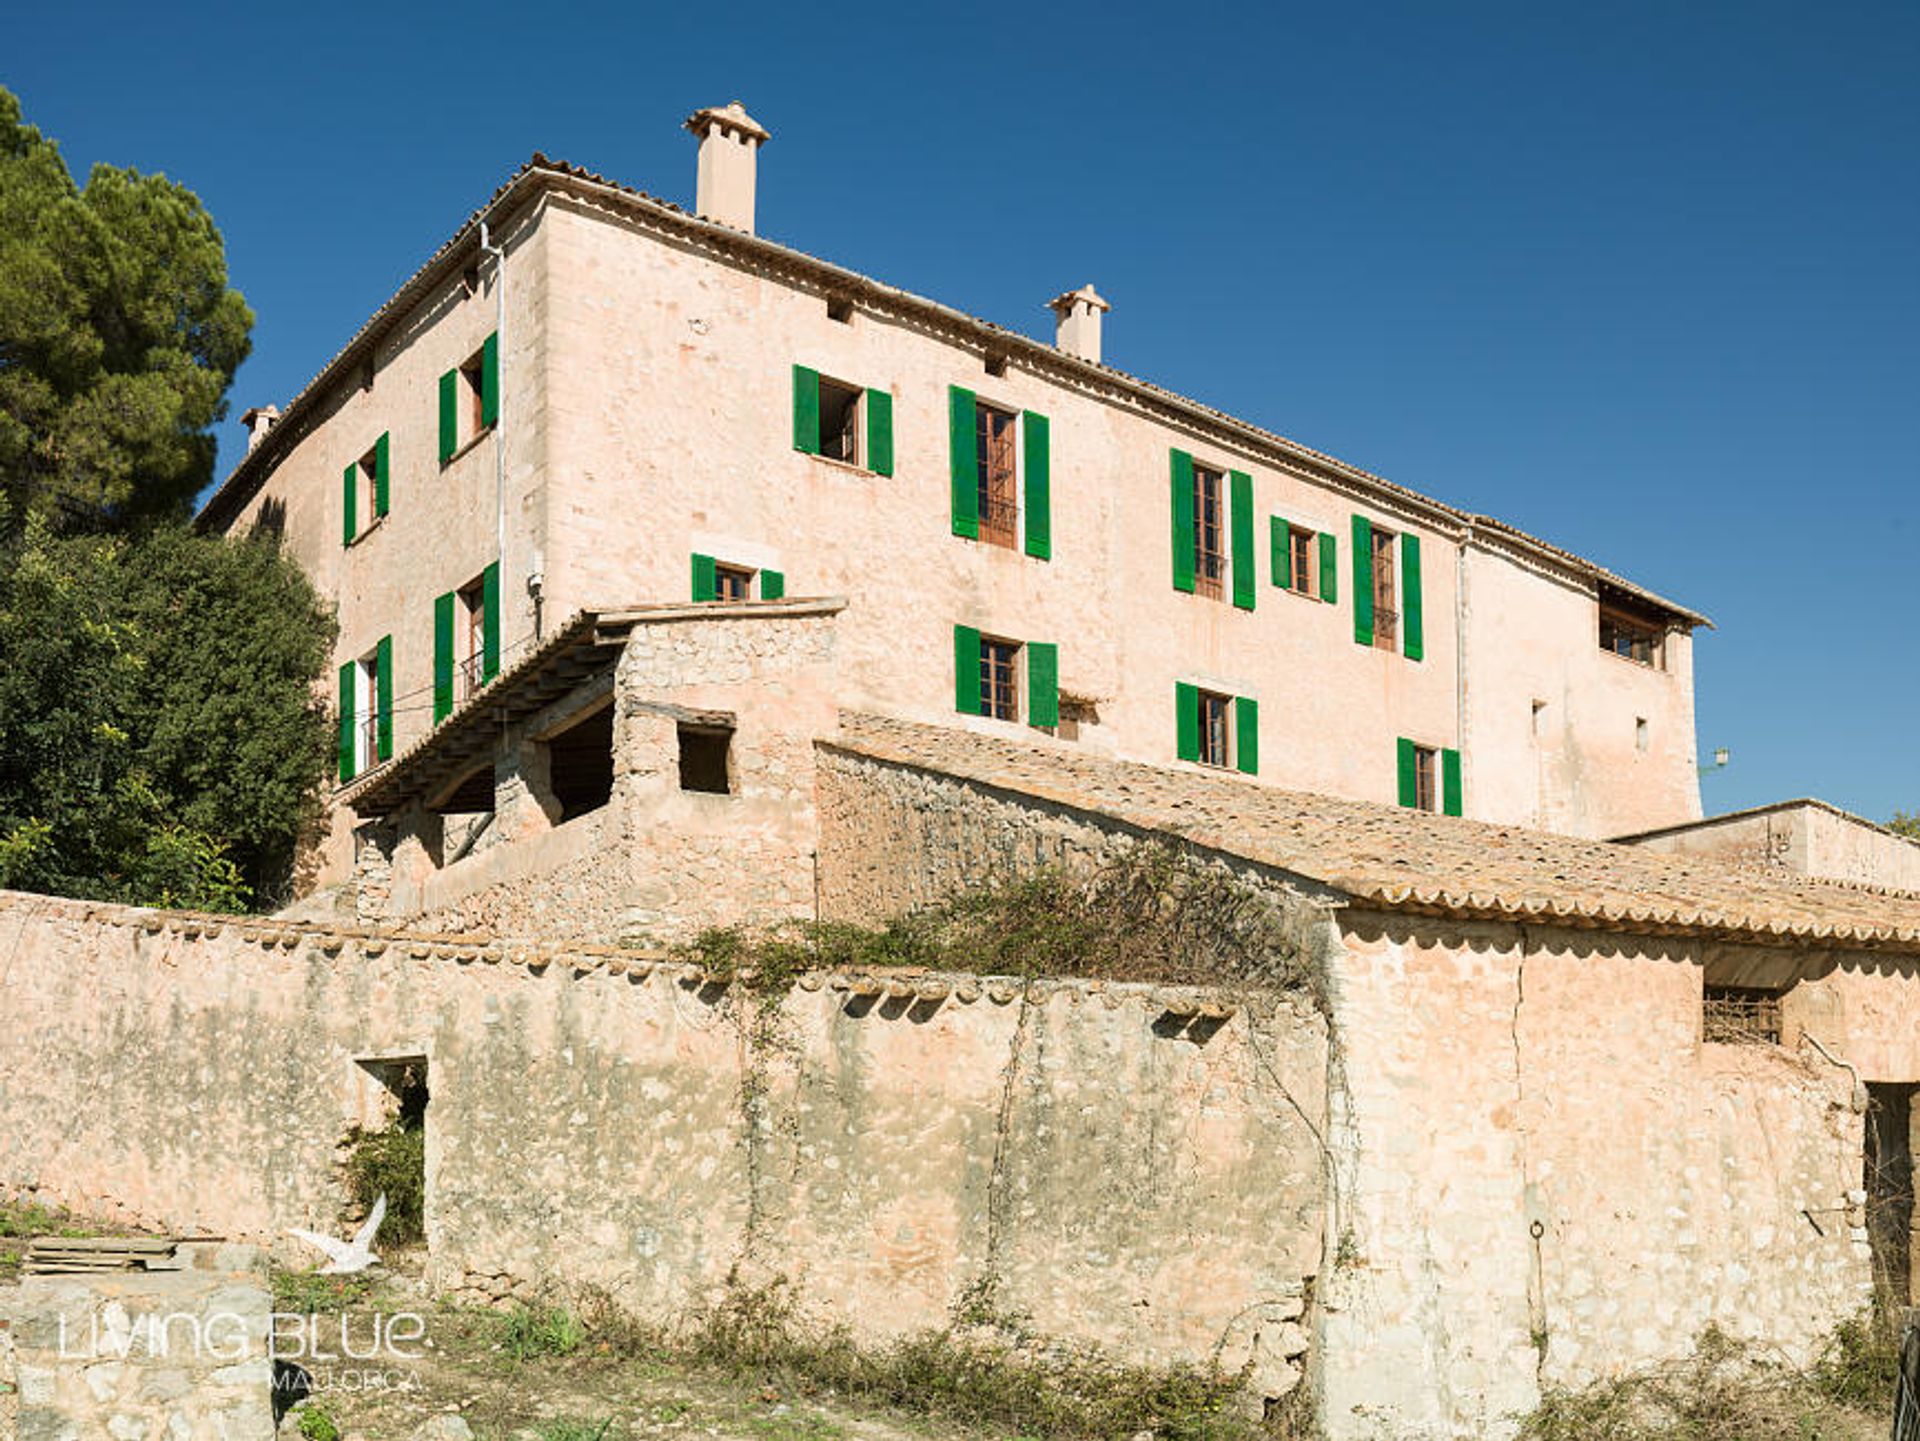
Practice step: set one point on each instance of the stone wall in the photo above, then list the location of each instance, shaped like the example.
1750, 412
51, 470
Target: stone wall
1545, 1177
657, 862
1809, 838
173, 1355
1078, 1153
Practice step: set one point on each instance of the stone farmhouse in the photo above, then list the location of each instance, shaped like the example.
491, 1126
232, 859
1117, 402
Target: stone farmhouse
590, 400
598, 496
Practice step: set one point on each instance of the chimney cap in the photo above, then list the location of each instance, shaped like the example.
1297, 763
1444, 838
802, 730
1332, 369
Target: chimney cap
731, 116
1063, 304
260, 412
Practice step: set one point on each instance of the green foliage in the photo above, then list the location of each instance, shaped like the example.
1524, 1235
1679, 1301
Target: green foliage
1905, 823
161, 738
571, 1430
317, 1423
1154, 913
1861, 1362
973, 1380
1723, 1392
527, 1332
391, 1162
307, 1293
118, 338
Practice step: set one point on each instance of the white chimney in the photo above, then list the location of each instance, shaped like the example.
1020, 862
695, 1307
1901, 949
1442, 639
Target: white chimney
258, 422
1077, 322
730, 142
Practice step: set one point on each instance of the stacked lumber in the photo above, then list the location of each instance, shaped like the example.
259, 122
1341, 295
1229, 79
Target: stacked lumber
81, 1255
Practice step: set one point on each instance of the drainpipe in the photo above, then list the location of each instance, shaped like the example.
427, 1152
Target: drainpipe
1460, 649
499, 255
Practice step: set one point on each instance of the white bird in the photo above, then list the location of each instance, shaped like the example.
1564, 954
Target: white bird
346, 1257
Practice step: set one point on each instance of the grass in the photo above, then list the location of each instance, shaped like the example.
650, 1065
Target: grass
571, 1430
307, 1293
759, 1336
1729, 1392
20, 1222
528, 1332
1152, 914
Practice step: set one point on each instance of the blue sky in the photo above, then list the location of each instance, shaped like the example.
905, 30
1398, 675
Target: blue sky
1638, 278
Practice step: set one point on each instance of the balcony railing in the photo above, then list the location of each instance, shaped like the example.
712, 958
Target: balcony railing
469, 678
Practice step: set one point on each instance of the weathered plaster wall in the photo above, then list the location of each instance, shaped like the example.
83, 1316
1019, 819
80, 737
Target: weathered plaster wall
172, 1355
656, 863
599, 1118
1806, 837
1500, 1079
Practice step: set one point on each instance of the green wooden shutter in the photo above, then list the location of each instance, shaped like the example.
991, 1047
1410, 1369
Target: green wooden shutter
1246, 586
880, 432
773, 585
1282, 554
1409, 778
1246, 716
1036, 435
963, 462
346, 721
1183, 522
1186, 721
442, 657
449, 415
1362, 580
383, 702
1043, 684
380, 474
490, 623
349, 503
490, 381
1329, 568
966, 670
1450, 782
806, 410
1414, 631
706, 585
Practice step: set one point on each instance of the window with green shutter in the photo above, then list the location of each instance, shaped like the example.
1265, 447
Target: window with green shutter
1186, 721
1245, 583
1362, 580
1414, 642
963, 462
773, 585
449, 415
490, 639
350, 503
381, 474
349, 731
880, 432
1303, 560
806, 410
1329, 569
490, 382
1419, 779
443, 612
966, 669
1281, 557
1043, 683
1037, 441
705, 585
1183, 508
383, 698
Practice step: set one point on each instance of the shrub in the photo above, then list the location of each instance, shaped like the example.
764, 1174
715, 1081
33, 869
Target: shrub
527, 1332
391, 1162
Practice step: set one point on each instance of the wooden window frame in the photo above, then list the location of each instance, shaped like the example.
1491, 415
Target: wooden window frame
473, 397
1426, 779
1209, 531
1631, 638
1303, 572
1386, 589
997, 466
726, 576
844, 446
1215, 728
366, 718
999, 678
470, 666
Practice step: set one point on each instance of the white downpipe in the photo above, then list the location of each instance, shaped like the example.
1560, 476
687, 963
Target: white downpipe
499, 255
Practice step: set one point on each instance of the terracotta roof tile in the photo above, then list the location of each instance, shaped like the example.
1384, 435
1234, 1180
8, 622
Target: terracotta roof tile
1410, 860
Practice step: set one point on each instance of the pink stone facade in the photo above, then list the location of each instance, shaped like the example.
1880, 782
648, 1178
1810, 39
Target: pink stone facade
647, 416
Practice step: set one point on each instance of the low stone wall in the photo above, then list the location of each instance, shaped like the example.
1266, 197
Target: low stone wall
174, 1354
1097, 1159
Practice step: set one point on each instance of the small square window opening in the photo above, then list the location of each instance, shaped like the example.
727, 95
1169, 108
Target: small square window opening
732, 582
1630, 638
706, 758
1642, 733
